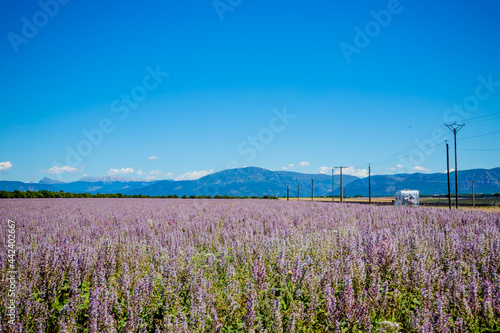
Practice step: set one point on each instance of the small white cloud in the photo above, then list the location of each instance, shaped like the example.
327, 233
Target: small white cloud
154, 157
361, 173
451, 170
58, 169
304, 164
289, 166
155, 173
192, 175
122, 171
400, 166
391, 168
419, 168
5, 166
324, 170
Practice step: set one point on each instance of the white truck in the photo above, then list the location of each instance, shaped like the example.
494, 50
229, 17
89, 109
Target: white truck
406, 198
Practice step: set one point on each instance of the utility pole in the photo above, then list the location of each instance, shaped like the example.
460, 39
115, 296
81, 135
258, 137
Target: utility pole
473, 195
298, 192
341, 195
333, 187
439, 198
369, 184
312, 189
448, 172
287, 193
455, 128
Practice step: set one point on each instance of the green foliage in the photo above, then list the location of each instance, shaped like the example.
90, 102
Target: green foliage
51, 194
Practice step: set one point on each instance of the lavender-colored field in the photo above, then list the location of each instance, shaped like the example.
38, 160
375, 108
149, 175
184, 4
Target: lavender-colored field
151, 265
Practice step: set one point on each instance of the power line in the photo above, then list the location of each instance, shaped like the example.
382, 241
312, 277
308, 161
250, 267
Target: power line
395, 156
480, 117
448, 172
479, 149
312, 189
478, 136
369, 184
409, 148
333, 186
341, 196
455, 128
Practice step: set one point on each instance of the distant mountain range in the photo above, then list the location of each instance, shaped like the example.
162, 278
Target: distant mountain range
249, 181
253, 181
486, 181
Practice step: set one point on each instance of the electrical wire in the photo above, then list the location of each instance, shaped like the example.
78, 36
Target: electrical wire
478, 136
479, 149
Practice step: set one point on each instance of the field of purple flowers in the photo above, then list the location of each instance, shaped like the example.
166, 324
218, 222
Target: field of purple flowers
151, 265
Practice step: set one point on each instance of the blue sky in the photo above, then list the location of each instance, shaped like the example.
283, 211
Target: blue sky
179, 89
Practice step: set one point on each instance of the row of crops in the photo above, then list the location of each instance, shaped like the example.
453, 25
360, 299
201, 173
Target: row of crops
146, 265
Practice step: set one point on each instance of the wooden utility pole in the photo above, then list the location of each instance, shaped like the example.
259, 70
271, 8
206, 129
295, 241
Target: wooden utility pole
341, 194
298, 192
287, 193
333, 187
341, 197
448, 172
312, 189
455, 128
369, 185
473, 195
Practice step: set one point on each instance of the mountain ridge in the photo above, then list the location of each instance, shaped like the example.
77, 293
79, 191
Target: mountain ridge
256, 181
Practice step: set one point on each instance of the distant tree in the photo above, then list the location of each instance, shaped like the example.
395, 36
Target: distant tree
19, 194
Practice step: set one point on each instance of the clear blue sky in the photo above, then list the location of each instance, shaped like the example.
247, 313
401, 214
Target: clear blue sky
348, 98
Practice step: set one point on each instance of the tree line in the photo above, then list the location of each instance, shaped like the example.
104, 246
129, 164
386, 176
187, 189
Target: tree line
61, 194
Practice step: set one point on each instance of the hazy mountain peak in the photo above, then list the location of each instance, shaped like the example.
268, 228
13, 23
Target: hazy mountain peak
46, 180
110, 179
